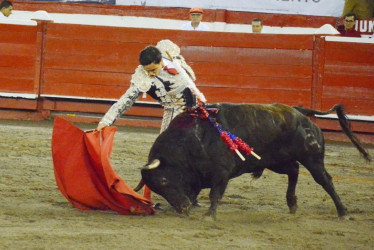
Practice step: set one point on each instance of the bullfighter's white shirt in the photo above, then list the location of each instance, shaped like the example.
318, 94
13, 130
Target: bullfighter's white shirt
200, 27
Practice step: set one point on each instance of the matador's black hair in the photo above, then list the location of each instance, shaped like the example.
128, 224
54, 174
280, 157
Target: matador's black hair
150, 55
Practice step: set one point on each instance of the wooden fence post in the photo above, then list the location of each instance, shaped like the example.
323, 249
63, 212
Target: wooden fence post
318, 72
42, 20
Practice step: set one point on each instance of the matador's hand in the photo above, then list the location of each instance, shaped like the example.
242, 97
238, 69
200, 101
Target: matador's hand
100, 126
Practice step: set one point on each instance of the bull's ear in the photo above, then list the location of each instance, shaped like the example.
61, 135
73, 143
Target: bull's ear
154, 164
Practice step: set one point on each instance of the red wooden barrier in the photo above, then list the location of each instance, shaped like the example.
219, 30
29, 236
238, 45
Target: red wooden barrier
81, 68
17, 53
97, 62
349, 77
17, 65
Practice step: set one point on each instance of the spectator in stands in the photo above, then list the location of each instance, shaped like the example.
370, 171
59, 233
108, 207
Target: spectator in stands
348, 28
363, 9
256, 25
6, 8
196, 15
167, 79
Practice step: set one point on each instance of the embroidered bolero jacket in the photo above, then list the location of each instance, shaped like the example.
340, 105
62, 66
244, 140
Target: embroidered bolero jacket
171, 91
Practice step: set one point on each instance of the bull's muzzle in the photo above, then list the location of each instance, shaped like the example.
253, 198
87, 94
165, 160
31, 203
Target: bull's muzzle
186, 211
182, 206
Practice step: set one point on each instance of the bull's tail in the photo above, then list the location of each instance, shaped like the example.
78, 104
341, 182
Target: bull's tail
344, 123
311, 112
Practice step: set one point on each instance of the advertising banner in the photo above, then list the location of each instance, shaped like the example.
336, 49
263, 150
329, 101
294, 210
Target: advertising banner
111, 2
300, 7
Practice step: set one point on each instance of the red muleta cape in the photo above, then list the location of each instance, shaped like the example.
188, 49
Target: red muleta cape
84, 175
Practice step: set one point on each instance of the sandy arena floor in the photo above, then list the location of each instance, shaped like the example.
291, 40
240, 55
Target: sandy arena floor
252, 214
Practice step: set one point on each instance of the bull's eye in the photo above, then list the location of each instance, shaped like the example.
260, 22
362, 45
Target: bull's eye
164, 181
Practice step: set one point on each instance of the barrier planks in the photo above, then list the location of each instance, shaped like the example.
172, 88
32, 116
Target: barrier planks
17, 53
97, 62
18, 64
348, 77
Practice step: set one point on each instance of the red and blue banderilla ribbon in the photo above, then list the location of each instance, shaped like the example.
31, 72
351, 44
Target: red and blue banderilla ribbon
233, 142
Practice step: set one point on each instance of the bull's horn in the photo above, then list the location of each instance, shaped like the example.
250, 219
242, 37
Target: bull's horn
139, 186
154, 164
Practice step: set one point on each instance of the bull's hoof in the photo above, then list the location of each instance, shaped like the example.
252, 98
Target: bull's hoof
293, 209
196, 204
186, 211
292, 203
210, 214
342, 212
344, 218
209, 219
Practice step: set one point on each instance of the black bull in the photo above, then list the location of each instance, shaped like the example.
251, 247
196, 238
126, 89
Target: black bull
190, 155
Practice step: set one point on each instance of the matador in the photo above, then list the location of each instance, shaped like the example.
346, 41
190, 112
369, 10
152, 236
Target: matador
164, 75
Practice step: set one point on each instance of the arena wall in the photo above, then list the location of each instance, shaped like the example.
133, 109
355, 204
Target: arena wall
79, 70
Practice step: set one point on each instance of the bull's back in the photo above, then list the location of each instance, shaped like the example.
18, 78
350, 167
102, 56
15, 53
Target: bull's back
274, 130
268, 122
